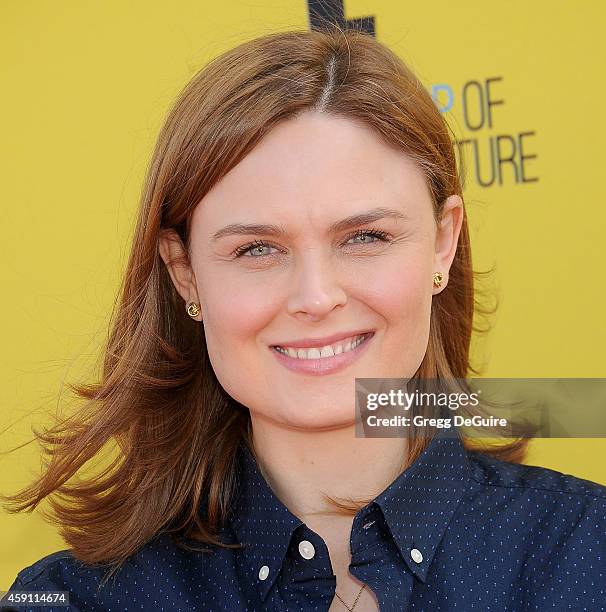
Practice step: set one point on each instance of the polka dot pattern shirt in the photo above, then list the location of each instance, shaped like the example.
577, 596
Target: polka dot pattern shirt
458, 530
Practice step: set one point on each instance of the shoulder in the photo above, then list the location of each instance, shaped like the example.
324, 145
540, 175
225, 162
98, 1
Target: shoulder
495, 473
537, 499
546, 527
41, 571
45, 574
62, 571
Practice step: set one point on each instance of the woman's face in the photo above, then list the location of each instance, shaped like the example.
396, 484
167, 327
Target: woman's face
303, 277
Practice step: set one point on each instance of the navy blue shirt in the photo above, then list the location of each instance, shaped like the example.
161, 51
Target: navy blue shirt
458, 530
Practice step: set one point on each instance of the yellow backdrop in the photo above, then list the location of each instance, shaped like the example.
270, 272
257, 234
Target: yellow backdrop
85, 88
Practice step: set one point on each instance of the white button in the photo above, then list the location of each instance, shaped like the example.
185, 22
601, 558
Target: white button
263, 572
307, 549
416, 555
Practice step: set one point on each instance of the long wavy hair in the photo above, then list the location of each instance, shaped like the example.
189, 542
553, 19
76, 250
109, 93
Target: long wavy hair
176, 430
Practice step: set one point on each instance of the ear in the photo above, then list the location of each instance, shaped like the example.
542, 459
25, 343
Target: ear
175, 257
447, 237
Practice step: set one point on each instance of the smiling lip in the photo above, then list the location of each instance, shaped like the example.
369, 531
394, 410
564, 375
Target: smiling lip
320, 342
323, 365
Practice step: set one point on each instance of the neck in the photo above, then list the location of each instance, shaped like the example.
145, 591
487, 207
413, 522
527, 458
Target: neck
301, 465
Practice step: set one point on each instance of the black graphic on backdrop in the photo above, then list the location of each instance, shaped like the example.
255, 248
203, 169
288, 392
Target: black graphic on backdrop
332, 11
500, 157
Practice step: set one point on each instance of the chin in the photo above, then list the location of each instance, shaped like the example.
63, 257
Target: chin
320, 418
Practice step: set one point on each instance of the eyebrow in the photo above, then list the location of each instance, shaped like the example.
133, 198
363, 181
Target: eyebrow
369, 216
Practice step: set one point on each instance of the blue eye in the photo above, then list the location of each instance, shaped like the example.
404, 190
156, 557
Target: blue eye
259, 244
381, 236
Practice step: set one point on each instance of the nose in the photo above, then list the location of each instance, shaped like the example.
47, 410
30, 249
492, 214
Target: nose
316, 290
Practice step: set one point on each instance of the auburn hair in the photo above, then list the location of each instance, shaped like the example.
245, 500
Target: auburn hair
175, 430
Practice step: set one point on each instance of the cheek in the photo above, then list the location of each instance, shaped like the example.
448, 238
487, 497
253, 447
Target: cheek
234, 313
400, 291
237, 302
401, 295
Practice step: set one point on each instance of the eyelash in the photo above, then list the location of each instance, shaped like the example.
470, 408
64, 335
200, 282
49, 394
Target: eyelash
381, 235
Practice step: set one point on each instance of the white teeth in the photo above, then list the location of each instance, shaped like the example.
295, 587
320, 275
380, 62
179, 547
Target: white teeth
325, 351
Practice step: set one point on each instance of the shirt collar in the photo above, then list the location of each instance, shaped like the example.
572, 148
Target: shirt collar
417, 506
260, 519
420, 503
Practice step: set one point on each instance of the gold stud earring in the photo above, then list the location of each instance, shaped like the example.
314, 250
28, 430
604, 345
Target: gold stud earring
193, 309
437, 279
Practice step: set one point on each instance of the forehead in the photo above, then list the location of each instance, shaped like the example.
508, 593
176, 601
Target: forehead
316, 166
